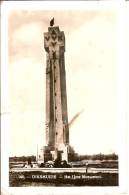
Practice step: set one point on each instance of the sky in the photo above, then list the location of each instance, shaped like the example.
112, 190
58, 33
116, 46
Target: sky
91, 78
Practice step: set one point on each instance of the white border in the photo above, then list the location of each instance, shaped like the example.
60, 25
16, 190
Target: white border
63, 5
120, 7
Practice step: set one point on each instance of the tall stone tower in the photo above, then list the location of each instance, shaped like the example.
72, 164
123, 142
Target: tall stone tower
57, 129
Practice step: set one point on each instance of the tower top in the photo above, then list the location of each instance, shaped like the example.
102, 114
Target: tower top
52, 22
54, 39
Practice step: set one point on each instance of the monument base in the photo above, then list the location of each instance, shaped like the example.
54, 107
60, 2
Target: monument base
63, 153
60, 153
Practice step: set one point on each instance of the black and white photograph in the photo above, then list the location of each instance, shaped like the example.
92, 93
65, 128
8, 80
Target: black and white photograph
65, 96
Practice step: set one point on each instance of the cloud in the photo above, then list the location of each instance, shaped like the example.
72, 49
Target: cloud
26, 29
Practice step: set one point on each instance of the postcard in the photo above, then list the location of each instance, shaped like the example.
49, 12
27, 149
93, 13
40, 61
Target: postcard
64, 97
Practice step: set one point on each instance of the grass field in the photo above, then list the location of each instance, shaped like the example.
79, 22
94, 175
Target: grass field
99, 173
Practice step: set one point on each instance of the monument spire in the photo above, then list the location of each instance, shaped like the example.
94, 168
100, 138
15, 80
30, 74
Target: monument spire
57, 128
